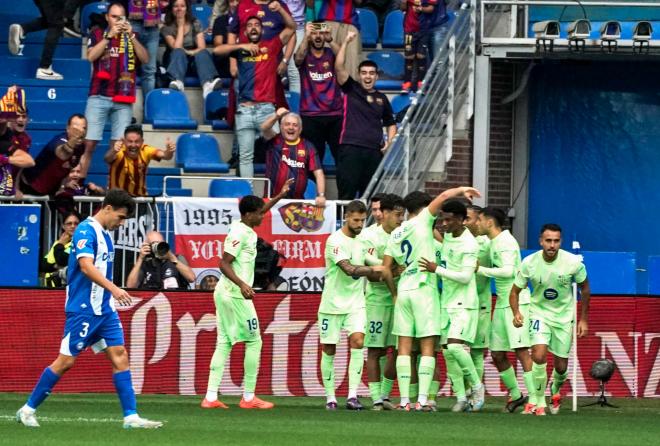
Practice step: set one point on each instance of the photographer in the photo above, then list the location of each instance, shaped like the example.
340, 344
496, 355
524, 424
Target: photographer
159, 268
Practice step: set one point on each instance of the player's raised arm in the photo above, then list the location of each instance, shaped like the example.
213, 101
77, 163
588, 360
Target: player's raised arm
278, 197
466, 192
583, 324
92, 273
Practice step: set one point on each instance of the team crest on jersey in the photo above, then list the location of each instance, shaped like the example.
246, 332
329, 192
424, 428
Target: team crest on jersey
379, 101
564, 279
326, 65
261, 14
301, 152
81, 243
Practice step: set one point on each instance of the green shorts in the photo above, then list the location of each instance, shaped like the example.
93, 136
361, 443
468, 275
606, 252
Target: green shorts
483, 330
557, 338
331, 325
379, 326
459, 323
417, 313
237, 318
504, 337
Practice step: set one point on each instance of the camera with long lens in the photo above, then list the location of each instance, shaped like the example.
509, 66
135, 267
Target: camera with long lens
160, 249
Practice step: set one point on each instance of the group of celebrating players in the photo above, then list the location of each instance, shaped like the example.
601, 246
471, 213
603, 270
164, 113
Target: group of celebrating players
427, 290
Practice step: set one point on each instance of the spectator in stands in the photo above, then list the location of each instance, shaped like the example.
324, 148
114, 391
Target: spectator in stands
114, 53
220, 34
145, 20
209, 282
438, 27
257, 79
186, 44
21, 141
56, 160
342, 18
376, 213
129, 159
297, 9
417, 39
321, 101
55, 262
52, 20
72, 187
291, 157
366, 112
158, 268
12, 158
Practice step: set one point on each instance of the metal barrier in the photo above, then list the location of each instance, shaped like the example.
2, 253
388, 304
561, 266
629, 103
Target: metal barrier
266, 190
425, 134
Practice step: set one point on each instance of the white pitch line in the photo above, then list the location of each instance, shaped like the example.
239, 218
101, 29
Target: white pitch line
66, 420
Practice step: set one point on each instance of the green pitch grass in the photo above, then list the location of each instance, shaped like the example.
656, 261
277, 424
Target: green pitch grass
91, 420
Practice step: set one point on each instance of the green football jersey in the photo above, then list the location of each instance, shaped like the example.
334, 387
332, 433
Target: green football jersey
505, 251
408, 244
342, 294
458, 253
375, 241
483, 283
241, 242
552, 295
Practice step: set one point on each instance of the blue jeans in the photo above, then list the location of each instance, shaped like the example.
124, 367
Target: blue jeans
149, 38
292, 69
202, 63
437, 37
101, 108
248, 126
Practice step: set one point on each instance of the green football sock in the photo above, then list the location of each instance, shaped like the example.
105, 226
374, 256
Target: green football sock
511, 383
355, 371
403, 376
220, 355
375, 392
540, 383
328, 373
433, 390
425, 373
465, 363
386, 388
558, 380
477, 355
528, 377
414, 391
251, 365
455, 375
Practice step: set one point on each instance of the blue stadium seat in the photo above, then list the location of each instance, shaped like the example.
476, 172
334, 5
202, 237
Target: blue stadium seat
293, 99
368, 27
52, 114
310, 190
399, 102
168, 109
393, 30
87, 11
391, 65
229, 188
213, 109
198, 152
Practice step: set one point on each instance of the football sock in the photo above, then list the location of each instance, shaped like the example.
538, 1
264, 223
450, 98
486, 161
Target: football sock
386, 388
328, 374
528, 377
477, 355
355, 371
511, 383
375, 392
425, 373
558, 380
540, 382
414, 391
403, 376
42, 389
251, 364
455, 375
434, 387
125, 392
465, 363
220, 355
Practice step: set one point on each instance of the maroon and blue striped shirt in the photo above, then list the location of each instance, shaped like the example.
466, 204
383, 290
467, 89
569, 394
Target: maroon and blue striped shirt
339, 11
320, 94
284, 161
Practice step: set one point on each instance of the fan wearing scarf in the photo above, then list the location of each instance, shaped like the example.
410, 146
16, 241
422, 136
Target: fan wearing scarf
114, 53
12, 157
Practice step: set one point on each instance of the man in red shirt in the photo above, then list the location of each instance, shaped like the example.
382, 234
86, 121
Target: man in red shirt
291, 157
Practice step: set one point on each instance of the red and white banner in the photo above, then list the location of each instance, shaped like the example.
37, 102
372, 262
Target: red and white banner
171, 337
297, 230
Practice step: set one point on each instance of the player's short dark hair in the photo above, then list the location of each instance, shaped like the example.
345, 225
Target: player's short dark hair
254, 17
376, 197
74, 116
455, 207
135, 128
355, 206
391, 201
495, 214
118, 199
416, 200
475, 208
368, 63
550, 227
250, 203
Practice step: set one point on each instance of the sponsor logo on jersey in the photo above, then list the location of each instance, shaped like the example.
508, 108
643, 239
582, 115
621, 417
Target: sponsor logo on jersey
550, 294
81, 243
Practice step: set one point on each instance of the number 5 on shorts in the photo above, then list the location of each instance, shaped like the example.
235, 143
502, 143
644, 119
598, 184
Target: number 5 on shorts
324, 325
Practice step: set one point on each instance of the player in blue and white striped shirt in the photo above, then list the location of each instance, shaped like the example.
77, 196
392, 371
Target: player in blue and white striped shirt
91, 317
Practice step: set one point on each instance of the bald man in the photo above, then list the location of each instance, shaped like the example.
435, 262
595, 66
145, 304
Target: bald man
158, 268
